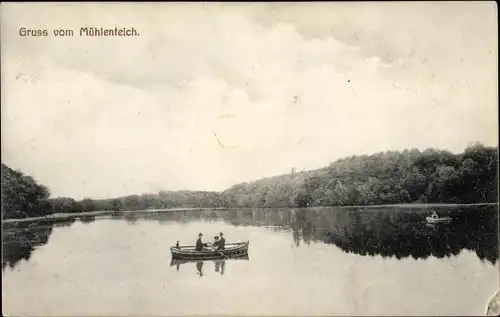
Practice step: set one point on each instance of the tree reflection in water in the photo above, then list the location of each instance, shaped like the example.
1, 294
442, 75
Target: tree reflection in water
87, 219
398, 232
403, 236
390, 232
19, 240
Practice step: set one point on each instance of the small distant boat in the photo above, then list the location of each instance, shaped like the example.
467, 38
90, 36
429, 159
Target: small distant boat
232, 250
435, 219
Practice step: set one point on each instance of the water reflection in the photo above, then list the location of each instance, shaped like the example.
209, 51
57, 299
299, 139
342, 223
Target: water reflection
87, 219
199, 267
401, 235
19, 240
389, 232
219, 265
94, 262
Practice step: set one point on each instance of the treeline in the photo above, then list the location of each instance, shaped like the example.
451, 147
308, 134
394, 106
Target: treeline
410, 176
23, 197
162, 200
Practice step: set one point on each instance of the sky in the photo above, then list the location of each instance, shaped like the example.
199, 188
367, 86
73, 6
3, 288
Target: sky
210, 95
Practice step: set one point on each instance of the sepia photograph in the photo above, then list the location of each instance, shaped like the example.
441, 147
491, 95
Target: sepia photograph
250, 159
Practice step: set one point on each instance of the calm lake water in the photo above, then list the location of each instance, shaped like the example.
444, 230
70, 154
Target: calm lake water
383, 261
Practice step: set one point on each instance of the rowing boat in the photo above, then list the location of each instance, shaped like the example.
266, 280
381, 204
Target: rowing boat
231, 250
434, 219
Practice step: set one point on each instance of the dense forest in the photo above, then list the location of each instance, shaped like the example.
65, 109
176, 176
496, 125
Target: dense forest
410, 176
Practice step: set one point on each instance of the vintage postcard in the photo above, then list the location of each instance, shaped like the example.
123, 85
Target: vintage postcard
249, 159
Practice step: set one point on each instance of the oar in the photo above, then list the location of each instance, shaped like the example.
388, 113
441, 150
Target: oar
217, 250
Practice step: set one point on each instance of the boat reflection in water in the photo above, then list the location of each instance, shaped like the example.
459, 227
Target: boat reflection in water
199, 267
219, 265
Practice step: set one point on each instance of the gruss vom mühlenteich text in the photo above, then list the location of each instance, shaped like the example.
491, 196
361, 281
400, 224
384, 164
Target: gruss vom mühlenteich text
101, 31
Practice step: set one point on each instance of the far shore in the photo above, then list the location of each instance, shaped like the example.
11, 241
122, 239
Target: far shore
115, 212
100, 213
415, 205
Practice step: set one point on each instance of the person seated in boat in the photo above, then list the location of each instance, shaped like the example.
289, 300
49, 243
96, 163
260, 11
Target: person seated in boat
199, 243
216, 242
222, 242
435, 215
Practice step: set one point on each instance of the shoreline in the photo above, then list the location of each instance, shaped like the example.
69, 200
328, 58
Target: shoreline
57, 216
415, 205
101, 213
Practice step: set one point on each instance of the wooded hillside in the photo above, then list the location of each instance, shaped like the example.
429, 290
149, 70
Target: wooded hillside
430, 176
410, 176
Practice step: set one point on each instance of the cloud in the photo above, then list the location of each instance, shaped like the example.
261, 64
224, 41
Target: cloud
390, 30
224, 93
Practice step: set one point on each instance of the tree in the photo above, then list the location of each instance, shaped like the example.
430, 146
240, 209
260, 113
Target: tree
22, 196
301, 199
88, 205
